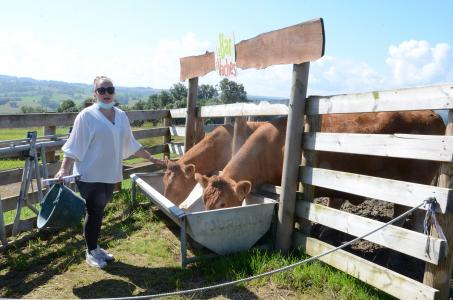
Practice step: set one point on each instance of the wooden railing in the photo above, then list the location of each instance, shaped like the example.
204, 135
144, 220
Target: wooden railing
421, 147
9, 203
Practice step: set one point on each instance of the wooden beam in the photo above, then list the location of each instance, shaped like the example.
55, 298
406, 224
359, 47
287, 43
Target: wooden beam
419, 98
384, 279
15, 175
239, 134
167, 137
295, 44
292, 156
149, 133
400, 239
439, 276
65, 119
178, 130
191, 117
176, 148
424, 147
243, 109
395, 191
156, 149
50, 130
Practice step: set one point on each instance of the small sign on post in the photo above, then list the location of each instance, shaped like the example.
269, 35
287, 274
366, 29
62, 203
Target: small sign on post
225, 56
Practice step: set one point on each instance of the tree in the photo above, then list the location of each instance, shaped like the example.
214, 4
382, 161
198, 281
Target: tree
178, 92
232, 92
67, 106
206, 91
30, 109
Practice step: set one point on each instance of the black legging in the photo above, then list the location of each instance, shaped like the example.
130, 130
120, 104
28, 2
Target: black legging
96, 195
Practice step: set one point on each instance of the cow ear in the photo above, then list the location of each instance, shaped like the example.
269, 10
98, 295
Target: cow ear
202, 179
189, 170
243, 188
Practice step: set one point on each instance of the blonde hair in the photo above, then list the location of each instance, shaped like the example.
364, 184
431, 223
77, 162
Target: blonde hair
99, 79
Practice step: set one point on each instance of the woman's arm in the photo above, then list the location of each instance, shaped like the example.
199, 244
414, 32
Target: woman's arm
66, 166
145, 154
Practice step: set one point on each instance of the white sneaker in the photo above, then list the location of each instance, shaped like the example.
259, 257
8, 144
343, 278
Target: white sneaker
104, 254
94, 259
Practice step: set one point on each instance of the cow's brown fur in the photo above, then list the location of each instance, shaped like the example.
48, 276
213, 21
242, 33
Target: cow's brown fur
211, 154
260, 160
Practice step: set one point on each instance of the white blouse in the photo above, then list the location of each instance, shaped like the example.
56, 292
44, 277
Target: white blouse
98, 146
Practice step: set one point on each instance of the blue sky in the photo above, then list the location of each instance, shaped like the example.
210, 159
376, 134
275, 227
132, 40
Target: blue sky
369, 45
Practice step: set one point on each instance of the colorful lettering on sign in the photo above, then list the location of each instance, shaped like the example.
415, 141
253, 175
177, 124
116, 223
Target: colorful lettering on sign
225, 56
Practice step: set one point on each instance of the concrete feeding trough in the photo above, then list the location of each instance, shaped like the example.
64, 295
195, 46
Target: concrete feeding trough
222, 231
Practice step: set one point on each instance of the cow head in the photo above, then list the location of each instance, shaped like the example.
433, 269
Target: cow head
222, 192
178, 181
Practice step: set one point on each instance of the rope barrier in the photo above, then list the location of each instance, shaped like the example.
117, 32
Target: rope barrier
430, 201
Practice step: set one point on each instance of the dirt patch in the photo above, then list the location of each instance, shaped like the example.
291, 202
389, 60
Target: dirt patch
381, 211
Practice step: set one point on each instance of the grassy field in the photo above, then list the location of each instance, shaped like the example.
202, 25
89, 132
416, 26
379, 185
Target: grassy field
145, 243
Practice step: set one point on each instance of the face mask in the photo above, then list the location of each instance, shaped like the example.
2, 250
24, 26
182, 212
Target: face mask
103, 105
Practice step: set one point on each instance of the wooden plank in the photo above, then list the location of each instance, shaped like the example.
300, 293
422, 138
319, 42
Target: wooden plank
385, 280
191, 117
425, 147
400, 239
419, 98
395, 191
145, 115
24, 225
156, 149
178, 113
196, 66
439, 276
243, 109
167, 137
149, 133
176, 148
15, 175
146, 167
64, 119
50, 155
178, 130
36, 120
10, 203
2, 226
292, 156
295, 44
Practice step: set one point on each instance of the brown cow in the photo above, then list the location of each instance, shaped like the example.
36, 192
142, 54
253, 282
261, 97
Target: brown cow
211, 154
260, 159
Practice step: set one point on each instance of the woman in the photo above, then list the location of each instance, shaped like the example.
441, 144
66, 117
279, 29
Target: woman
100, 139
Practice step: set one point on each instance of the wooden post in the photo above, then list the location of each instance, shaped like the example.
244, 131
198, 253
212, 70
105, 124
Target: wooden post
191, 116
167, 138
239, 135
309, 158
2, 226
50, 130
292, 156
439, 276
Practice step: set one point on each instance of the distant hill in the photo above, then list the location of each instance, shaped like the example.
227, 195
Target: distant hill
16, 92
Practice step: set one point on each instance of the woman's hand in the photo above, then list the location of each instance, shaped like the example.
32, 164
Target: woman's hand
60, 174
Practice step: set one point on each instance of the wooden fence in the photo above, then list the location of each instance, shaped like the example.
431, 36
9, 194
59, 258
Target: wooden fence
423, 147
52, 120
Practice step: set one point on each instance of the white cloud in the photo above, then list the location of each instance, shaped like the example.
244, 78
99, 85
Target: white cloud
332, 75
140, 64
416, 62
